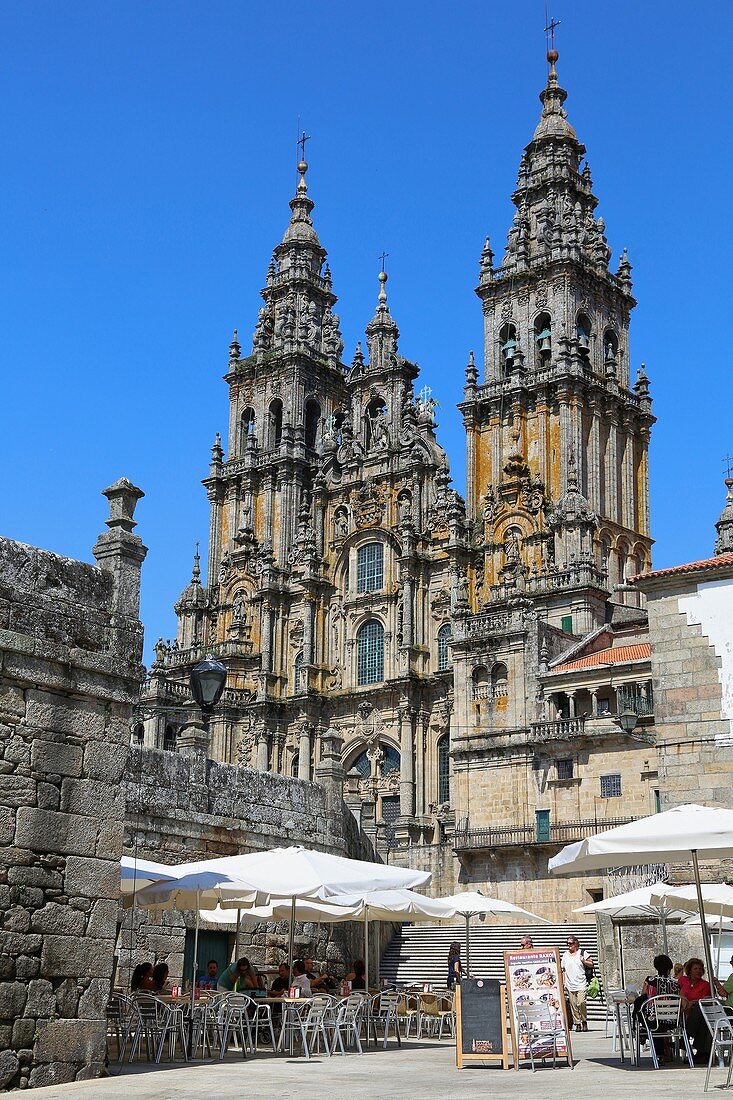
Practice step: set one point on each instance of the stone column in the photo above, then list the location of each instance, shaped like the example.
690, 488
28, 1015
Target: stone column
266, 635
263, 752
593, 703
308, 630
304, 752
594, 459
212, 570
407, 767
571, 704
419, 764
613, 509
407, 628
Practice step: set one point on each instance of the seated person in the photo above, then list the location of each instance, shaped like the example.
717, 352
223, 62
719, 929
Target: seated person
239, 977
300, 978
142, 978
694, 987
319, 982
356, 977
655, 986
281, 983
210, 978
728, 983
160, 978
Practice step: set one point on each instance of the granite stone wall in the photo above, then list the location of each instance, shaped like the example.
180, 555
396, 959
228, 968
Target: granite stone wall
70, 651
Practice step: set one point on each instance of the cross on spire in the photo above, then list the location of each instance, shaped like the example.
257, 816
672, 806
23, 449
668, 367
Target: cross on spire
301, 144
382, 257
550, 31
728, 463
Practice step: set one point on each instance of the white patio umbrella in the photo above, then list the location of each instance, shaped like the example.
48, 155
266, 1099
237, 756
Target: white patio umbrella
285, 873
647, 901
136, 874
674, 836
471, 903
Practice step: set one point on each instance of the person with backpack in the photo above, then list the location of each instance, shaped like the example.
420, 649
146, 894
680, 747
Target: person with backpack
577, 965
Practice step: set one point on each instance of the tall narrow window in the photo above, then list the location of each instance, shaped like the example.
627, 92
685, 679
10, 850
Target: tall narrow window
445, 635
508, 346
248, 426
370, 653
363, 765
298, 675
543, 337
444, 768
370, 567
170, 741
390, 760
312, 423
275, 423
499, 681
582, 331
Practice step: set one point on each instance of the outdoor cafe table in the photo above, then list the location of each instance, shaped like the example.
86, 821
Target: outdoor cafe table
289, 1005
623, 1004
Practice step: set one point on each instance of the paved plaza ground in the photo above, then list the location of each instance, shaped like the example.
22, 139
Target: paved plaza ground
420, 1069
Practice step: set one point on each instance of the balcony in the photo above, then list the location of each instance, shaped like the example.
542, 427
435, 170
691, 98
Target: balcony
467, 839
561, 729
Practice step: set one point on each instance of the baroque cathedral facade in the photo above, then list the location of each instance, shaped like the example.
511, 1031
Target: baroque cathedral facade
471, 654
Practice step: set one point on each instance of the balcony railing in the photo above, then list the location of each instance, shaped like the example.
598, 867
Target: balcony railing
560, 729
467, 839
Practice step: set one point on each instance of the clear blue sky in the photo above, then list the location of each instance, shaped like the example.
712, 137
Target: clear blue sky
148, 158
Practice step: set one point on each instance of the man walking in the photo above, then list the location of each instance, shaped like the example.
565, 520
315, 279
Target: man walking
574, 962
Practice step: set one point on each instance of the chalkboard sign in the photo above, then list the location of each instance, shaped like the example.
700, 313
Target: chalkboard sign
481, 1022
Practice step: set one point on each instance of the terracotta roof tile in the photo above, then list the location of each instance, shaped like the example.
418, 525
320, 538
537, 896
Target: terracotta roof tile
618, 655
688, 567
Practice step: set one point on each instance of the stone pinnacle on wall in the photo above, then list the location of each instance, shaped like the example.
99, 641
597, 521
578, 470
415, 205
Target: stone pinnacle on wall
724, 526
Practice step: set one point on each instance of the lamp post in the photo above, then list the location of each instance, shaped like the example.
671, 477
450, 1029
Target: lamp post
207, 681
627, 720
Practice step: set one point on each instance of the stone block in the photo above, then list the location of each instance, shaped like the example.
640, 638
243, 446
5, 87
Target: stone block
70, 956
57, 1073
60, 714
57, 758
109, 839
67, 998
48, 796
7, 826
71, 1041
93, 1001
41, 998
53, 831
23, 1033
59, 919
92, 878
90, 797
17, 790
12, 999
41, 877
102, 920
9, 1066
106, 762
19, 943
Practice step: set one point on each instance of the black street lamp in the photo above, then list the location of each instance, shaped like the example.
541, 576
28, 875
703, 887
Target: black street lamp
628, 721
207, 681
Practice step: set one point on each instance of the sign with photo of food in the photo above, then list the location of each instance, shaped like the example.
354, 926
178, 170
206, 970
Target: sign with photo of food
537, 1009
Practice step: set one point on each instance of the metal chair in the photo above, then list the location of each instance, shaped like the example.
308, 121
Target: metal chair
661, 1017
234, 1020
158, 1022
540, 1027
319, 1020
383, 1013
720, 1026
294, 1014
408, 1012
122, 1016
347, 1022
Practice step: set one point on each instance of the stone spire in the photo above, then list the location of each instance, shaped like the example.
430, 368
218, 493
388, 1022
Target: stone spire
554, 198
724, 526
298, 310
382, 333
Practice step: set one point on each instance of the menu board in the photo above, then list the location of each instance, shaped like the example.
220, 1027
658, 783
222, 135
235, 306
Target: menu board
534, 983
481, 1022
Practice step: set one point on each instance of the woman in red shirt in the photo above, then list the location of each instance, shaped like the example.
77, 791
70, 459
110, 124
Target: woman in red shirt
693, 988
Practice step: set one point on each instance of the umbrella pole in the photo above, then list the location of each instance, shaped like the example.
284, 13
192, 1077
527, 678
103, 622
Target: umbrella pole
701, 907
195, 952
468, 947
663, 917
720, 936
291, 937
366, 946
236, 937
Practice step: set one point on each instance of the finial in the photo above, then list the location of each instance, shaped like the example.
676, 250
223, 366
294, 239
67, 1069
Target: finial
552, 54
572, 470
383, 286
235, 347
196, 577
217, 452
358, 360
302, 164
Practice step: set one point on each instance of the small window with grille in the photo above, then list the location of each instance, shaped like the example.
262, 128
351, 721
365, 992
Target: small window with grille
444, 637
611, 786
565, 768
370, 567
444, 769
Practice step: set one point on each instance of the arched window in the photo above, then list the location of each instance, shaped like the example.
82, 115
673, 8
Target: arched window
370, 567
248, 425
299, 678
390, 760
170, 739
275, 424
312, 423
480, 682
543, 337
499, 682
606, 554
294, 766
363, 765
445, 635
138, 734
508, 346
370, 653
375, 424
444, 768
610, 346
582, 331
623, 560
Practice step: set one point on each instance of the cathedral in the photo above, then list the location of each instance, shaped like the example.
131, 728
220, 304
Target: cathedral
473, 654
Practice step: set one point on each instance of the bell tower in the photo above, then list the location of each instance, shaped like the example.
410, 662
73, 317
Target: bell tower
556, 394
